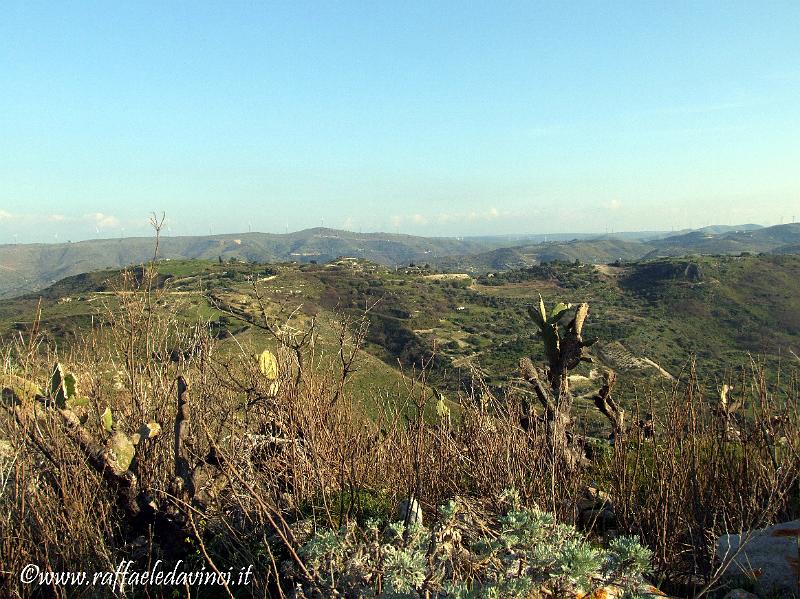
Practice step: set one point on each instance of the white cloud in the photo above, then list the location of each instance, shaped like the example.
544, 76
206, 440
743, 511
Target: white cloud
97, 219
419, 219
102, 221
416, 219
472, 216
489, 214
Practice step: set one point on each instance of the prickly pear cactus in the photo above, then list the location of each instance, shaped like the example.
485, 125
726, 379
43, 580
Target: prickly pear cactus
122, 450
268, 365
16, 389
148, 430
57, 387
548, 326
121, 447
64, 389
107, 420
442, 411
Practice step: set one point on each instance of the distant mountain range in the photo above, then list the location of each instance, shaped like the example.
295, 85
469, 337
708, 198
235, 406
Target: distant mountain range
780, 239
29, 267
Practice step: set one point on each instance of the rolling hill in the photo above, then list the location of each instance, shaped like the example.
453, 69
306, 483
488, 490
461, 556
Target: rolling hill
29, 267
766, 239
713, 240
651, 316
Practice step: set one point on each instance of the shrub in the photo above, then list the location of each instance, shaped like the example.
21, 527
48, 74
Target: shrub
473, 550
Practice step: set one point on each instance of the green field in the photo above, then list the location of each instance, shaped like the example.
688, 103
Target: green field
651, 317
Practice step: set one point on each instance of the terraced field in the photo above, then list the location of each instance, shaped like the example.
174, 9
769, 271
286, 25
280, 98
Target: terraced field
651, 317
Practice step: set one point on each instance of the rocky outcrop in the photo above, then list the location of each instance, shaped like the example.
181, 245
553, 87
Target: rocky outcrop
595, 510
769, 556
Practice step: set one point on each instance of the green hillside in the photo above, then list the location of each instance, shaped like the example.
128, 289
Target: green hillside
766, 239
650, 316
30, 267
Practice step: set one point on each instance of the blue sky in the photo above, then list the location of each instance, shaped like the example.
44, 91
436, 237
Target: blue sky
428, 118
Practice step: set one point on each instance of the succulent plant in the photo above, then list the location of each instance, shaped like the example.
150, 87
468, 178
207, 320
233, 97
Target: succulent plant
121, 446
149, 430
107, 420
16, 389
64, 389
442, 411
268, 365
548, 327
123, 450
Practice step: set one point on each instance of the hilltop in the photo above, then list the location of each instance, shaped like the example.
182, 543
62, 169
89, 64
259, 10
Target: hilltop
767, 239
592, 251
30, 267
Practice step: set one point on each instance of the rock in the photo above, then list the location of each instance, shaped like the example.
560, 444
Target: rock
593, 499
595, 510
769, 556
603, 519
415, 517
740, 594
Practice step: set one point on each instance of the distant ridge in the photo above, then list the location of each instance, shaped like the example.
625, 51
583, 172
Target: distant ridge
26, 268
710, 240
29, 267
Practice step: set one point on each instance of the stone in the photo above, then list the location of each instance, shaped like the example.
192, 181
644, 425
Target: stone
593, 499
603, 519
415, 517
769, 556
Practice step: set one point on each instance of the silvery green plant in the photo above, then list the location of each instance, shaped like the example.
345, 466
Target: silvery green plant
504, 551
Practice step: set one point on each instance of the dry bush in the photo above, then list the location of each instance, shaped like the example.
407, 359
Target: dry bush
707, 470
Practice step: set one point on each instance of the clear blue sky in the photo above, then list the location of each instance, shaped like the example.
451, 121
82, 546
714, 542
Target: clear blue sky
429, 118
